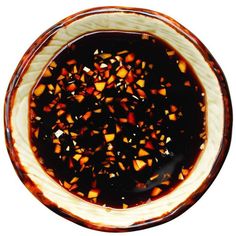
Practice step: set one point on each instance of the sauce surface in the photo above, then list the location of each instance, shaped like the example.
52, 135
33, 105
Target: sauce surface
118, 118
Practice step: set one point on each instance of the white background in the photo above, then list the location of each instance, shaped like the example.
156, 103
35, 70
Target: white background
21, 22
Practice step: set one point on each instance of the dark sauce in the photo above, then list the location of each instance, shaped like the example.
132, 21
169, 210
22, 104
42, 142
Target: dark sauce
118, 119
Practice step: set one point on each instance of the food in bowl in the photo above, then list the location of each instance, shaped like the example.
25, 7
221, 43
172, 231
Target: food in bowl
111, 119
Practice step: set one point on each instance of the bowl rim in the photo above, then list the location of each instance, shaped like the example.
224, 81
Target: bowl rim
42, 41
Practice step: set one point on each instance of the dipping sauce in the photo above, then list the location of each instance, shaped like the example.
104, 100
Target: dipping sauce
118, 118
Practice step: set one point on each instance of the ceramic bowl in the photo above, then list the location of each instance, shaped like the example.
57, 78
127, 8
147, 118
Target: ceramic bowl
51, 194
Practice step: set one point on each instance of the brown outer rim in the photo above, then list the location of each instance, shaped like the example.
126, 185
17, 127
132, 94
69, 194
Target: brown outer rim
22, 68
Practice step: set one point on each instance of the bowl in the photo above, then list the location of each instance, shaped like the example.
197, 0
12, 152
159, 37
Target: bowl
218, 119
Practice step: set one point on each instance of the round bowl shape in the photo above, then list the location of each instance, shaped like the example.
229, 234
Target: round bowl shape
32, 65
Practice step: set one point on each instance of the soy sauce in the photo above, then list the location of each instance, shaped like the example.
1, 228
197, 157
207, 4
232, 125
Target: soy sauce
118, 118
